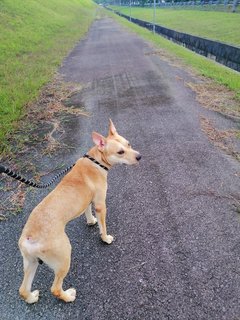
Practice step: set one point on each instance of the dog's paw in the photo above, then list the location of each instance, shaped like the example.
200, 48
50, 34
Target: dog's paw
92, 222
70, 295
108, 239
33, 297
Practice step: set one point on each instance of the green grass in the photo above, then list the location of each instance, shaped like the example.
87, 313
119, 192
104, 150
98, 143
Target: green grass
34, 38
203, 66
221, 26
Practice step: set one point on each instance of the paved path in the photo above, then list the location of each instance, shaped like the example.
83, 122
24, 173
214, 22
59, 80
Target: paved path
177, 235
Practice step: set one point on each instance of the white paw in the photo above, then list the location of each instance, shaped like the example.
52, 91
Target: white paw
70, 294
108, 239
92, 222
33, 297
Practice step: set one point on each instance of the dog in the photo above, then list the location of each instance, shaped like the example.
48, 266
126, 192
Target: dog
43, 237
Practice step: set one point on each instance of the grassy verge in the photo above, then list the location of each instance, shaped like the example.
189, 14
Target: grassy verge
204, 67
34, 38
221, 26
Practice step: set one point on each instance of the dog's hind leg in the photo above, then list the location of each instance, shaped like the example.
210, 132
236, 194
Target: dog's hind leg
59, 261
30, 266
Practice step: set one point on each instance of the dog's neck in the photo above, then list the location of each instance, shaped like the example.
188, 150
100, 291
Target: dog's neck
99, 156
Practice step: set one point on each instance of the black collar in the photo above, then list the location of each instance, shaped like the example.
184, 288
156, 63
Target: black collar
95, 161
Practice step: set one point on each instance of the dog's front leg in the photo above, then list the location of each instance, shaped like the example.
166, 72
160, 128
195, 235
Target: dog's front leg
101, 211
91, 220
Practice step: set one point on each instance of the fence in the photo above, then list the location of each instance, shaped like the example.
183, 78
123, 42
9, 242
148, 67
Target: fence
227, 6
207, 5
225, 54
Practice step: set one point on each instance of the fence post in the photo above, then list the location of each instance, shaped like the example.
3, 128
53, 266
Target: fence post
130, 10
225, 4
234, 6
154, 16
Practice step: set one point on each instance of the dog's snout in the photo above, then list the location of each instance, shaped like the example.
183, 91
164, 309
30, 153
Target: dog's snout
138, 157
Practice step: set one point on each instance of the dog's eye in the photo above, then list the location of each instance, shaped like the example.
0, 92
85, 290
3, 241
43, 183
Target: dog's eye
121, 152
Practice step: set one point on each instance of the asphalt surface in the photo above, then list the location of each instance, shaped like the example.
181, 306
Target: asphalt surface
176, 253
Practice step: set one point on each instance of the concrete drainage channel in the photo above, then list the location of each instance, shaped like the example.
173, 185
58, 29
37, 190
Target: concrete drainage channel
222, 53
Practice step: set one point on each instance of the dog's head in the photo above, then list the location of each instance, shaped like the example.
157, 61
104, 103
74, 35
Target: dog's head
115, 148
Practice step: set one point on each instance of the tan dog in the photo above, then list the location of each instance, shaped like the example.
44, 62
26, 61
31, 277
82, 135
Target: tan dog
44, 238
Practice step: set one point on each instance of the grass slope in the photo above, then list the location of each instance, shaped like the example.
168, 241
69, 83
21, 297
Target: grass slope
221, 26
34, 38
204, 66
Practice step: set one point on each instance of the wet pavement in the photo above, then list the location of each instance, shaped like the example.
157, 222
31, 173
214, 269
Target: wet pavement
176, 253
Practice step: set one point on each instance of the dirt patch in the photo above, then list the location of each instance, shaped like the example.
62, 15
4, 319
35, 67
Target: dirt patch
49, 106
43, 118
13, 203
216, 97
39, 133
165, 56
221, 139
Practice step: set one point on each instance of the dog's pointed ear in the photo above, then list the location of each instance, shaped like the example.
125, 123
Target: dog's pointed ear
99, 140
112, 130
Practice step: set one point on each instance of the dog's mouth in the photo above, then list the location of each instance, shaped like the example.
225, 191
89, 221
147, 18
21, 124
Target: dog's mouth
135, 161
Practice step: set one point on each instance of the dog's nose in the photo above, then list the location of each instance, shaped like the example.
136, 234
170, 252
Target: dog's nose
138, 158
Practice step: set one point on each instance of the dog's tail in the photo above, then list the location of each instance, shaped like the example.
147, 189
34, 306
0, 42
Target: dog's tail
31, 183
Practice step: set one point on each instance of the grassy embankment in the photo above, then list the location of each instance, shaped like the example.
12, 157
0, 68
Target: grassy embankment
193, 22
221, 26
34, 38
